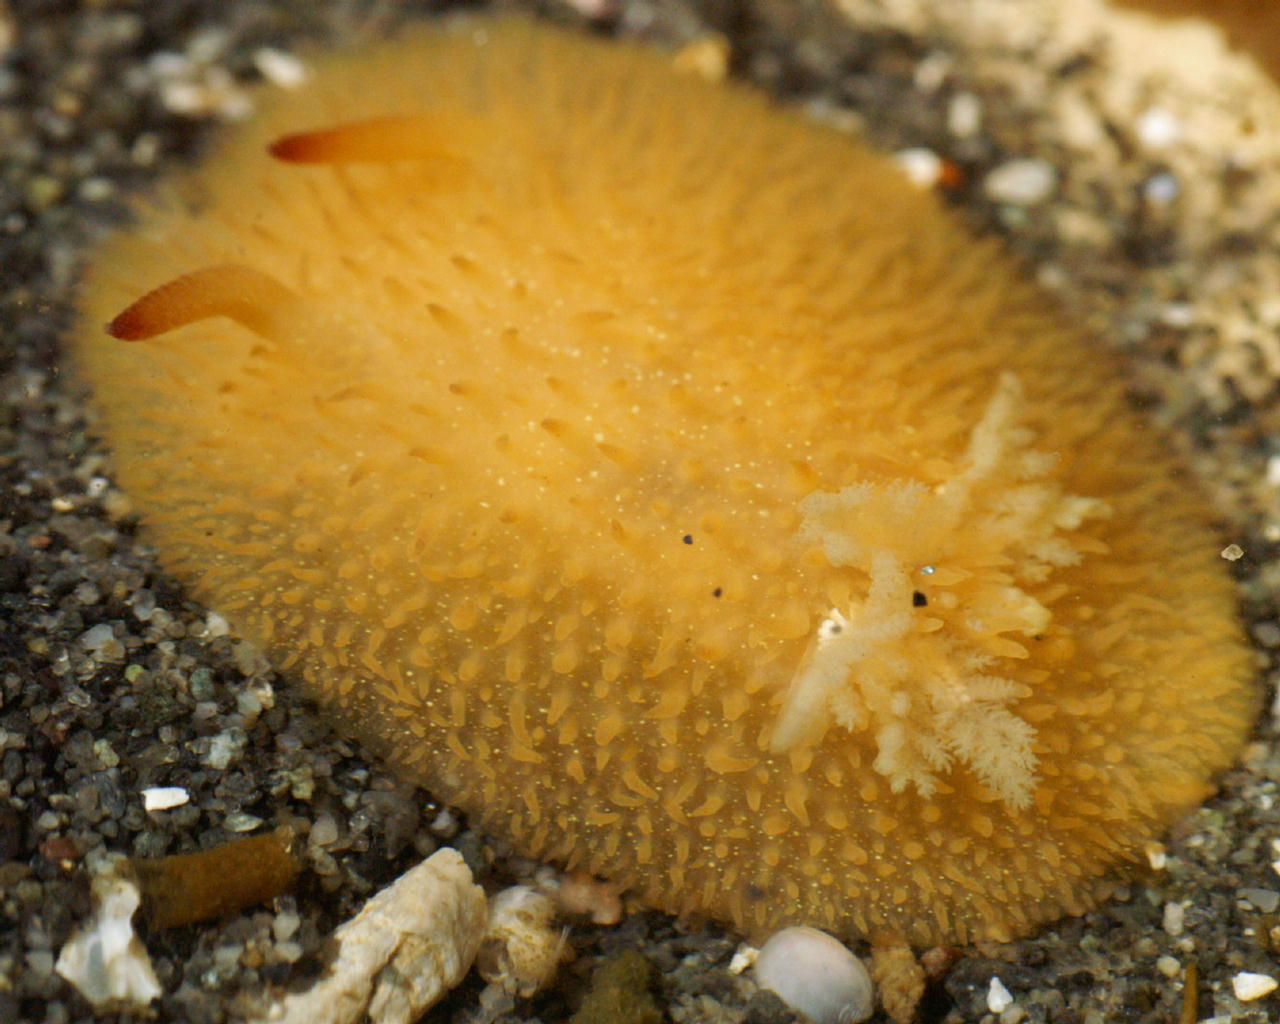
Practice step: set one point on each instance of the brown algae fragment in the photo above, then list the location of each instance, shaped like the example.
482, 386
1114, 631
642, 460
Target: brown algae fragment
217, 882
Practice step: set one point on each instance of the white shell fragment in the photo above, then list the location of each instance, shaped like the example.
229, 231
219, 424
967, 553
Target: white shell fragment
521, 949
410, 944
1249, 986
815, 974
106, 961
744, 957
163, 798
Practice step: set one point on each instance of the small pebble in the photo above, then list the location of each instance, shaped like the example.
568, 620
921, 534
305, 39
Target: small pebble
1233, 552
248, 704
239, 821
144, 605
202, 688
1266, 900
998, 997
285, 925
1267, 634
964, 115
223, 749
98, 639
932, 72
87, 593
1013, 1014
279, 68
42, 191
96, 189
815, 974
1249, 986
40, 962
1169, 966
227, 956
105, 753
1177, 314
324, 831
923, 167
1022, 182
1174, 916
594, 9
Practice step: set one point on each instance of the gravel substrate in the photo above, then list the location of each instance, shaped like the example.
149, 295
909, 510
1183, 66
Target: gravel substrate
1139, 180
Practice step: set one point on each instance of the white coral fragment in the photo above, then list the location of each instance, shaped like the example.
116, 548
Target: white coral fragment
410, 944
521, 948
953, 572
106, 961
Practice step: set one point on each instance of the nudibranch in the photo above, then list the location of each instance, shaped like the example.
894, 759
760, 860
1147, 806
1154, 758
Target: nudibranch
664, 481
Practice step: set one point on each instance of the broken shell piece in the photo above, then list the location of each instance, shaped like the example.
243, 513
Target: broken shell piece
815, 974
410, 944
744, 957
521, 948
106, 961
164, 798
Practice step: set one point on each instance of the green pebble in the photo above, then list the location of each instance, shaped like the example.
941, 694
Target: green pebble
202, 684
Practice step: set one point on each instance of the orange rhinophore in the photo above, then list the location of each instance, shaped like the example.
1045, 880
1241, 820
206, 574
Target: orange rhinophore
379, 140
241, 293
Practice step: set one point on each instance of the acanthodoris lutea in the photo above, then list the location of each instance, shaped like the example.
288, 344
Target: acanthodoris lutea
661, 479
